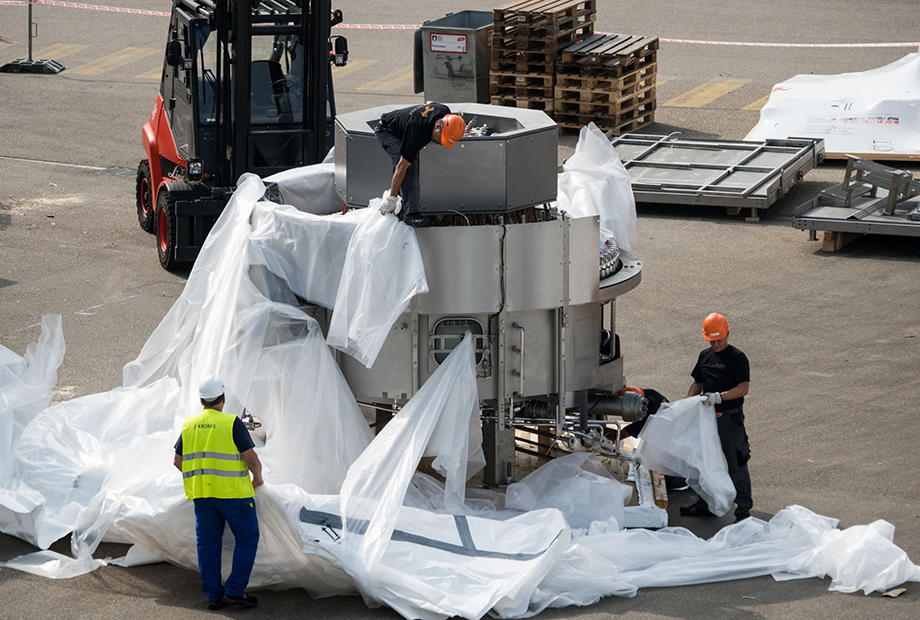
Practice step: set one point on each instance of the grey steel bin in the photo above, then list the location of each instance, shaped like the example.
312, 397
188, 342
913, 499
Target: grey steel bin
454, 57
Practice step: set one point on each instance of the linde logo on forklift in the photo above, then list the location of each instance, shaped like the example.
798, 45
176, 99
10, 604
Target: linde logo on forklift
273, 111
173, 171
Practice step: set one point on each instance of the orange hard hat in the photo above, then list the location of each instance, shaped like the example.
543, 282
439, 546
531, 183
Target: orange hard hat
452, 129
715, 327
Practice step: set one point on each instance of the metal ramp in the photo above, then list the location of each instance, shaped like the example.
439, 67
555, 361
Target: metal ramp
720, 173
873, 199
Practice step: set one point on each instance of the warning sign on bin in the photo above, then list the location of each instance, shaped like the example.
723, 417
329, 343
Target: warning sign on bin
448, 43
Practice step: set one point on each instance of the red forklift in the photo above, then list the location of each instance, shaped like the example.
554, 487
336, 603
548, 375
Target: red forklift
246, 87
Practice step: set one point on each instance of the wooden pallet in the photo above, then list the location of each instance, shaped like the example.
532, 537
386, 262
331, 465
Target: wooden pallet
604, 95
610, 50
523, 61
543, 18
610, 80
523, 41
607, 104
534, 103
613, 112
574, 123
522, 85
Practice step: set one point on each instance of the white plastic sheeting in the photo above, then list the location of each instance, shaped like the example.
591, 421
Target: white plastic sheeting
342, 513
578, 485
873, 111
595, 182
682, 440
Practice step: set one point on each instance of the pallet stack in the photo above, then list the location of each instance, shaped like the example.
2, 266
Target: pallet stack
608, 80
528, 38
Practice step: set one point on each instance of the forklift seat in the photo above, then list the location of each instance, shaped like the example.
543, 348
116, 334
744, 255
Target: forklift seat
268, 97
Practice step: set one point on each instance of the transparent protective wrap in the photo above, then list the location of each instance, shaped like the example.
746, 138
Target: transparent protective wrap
682, 440
578, 485
342, 511
595, 182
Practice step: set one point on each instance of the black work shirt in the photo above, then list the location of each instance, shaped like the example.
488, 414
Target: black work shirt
241, 438
413, 125
720, 372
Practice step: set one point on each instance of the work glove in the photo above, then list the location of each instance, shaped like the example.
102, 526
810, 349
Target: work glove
712, 399
390, 205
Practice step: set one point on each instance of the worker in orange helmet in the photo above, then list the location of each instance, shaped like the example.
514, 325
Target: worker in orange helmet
722, 375
403, 134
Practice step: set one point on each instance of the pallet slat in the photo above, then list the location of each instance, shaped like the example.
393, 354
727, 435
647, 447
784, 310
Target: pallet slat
612, 50
573, 124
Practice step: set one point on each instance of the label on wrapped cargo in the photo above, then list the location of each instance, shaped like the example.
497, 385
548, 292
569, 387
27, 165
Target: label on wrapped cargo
448, 43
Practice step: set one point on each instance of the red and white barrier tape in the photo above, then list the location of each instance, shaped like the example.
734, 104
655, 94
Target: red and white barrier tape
80, 5
116, 9
746, 44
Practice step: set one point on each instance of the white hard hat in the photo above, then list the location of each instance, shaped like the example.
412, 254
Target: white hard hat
211, 388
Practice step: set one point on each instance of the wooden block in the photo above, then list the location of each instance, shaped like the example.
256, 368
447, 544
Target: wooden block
733, 211
661, 490
834, 241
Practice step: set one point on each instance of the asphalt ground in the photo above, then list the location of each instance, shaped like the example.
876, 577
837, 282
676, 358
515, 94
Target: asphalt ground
833, 339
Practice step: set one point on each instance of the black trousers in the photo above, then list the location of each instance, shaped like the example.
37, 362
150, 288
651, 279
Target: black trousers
737, 452
410, 186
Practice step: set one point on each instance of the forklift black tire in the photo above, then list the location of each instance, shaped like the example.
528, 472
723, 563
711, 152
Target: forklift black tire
166, 231
146, 213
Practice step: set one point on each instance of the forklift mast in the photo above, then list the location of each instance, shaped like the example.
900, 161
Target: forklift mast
267, 87
246, 87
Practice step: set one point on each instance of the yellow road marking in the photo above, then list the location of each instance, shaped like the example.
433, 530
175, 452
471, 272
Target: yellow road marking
662, 80
151, 75
352, 66
59, 50
391, 82
705, 93
757, 105
114, 61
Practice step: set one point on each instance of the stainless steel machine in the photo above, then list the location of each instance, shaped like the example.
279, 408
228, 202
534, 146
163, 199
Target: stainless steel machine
536, 288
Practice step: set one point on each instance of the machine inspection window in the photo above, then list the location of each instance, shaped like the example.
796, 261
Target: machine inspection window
448, 334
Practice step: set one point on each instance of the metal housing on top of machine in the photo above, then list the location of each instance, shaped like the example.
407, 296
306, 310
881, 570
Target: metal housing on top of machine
511, 168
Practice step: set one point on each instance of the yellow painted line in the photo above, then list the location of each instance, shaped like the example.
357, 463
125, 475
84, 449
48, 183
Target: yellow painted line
706, 93
391, 82
352, 66
151, 75
662, 80
59, 50
114, 61
757, 105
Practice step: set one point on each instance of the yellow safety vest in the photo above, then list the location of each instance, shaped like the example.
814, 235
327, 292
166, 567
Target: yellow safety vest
212, 466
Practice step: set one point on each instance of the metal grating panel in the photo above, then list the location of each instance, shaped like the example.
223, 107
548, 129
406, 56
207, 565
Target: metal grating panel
691, 155
630, 151
746, 174
744, 180
831, 213
670, 176
769, 159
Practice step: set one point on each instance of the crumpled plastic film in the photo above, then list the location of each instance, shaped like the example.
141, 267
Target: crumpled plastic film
578, 485
363, 265
682, 440
422, 564
595, 182
383, 271
25, 387
341, 512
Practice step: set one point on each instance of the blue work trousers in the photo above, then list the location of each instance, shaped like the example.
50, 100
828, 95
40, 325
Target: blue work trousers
211, 515
409, 190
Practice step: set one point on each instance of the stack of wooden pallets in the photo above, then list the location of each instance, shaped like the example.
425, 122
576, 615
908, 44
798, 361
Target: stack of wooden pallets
528, 38
608, 80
